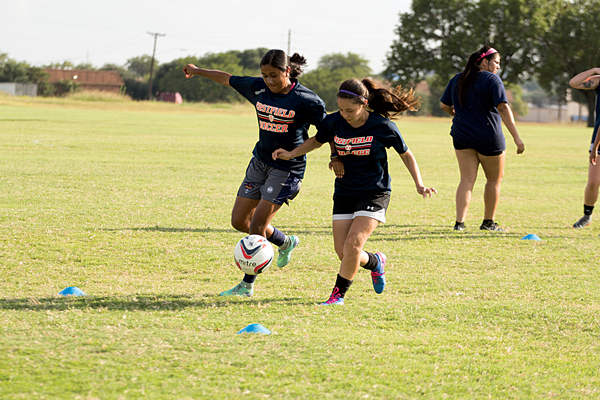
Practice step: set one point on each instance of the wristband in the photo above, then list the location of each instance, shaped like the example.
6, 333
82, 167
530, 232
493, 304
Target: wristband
333, 155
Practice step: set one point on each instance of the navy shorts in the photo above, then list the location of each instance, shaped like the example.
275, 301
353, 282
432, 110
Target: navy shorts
372, 205
268, 183
462, 146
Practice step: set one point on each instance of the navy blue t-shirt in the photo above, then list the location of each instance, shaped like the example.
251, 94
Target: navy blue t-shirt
363, 151
597, 123
478, 124
283, 119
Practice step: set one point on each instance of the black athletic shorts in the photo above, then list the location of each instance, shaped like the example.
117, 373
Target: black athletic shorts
461, 146
372, 205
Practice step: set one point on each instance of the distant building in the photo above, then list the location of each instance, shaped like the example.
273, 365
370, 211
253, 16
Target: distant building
19, 89
106, 81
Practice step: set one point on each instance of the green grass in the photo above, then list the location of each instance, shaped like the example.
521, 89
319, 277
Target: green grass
131, 202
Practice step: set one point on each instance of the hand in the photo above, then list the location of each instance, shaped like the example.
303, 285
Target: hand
425, 191
337, 166
282, 153
520, 146
593, 157
188, 70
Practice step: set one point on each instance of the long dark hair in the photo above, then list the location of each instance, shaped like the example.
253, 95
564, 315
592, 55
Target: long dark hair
280, 60
467, 77
388, 103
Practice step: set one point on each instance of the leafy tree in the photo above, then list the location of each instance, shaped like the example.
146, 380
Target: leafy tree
140, 65
333, 69
12, 70
338, 61
437, 36
22, 72
85, 65
136, 87
250, 59
569, 48
64, 65
170, 78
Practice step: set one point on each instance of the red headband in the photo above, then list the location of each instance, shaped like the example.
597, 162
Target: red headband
487, 53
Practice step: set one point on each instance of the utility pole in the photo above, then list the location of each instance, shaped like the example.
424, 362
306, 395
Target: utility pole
156, 35
289, 40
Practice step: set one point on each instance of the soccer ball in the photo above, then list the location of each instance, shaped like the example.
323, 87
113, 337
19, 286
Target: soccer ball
253, 254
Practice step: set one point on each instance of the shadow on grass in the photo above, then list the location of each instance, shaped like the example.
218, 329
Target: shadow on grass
140, 303
171, 229
392, 232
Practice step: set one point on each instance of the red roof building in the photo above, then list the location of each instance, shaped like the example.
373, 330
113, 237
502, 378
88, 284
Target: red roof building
107, 81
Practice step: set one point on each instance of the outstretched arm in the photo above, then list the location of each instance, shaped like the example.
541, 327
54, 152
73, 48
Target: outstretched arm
410, 162
309, 145
218, 76
586, 80
509, 120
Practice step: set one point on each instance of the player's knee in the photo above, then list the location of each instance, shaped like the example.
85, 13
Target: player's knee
239, 224
353, 244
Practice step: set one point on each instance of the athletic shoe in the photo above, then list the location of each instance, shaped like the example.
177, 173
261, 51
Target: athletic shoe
459, 226
492, 226
238, 290
334, 299
284, 255
378, 274
583, 222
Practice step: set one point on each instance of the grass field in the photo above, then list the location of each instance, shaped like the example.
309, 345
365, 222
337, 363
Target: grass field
131, 202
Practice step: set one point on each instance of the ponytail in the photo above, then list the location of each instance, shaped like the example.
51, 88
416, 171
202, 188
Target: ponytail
387, 103
467, 77
280, 60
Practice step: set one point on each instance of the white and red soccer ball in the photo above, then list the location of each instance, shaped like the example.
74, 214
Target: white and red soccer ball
253, 254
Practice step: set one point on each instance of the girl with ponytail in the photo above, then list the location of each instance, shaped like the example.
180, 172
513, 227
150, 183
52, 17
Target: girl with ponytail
285, 109
477, 100
362, 131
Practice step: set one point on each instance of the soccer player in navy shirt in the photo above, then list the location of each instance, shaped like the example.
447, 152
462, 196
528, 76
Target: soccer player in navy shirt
477, 100
362, 131
590, 80
285, 109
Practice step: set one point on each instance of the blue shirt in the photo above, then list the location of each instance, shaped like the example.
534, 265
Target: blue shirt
363, 151
477, 123
283, 119
597, 123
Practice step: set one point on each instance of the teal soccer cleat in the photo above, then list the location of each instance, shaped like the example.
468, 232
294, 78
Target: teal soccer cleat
284, 255
238, 290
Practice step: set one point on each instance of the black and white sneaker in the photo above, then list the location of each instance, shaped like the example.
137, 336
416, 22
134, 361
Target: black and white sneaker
583, 222
459, 226
491, 226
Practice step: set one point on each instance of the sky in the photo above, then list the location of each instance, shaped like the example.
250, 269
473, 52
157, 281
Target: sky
111, 31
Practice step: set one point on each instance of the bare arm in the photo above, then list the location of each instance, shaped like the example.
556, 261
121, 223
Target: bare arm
336, 164
509, 120
218, 76
309, 145
449, 109
410, 162
586, 80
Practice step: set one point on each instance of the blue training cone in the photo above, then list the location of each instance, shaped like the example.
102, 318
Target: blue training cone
531, 236
255, 328
72, 291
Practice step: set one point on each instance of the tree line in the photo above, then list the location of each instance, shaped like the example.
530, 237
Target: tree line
546, 40
550, 40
